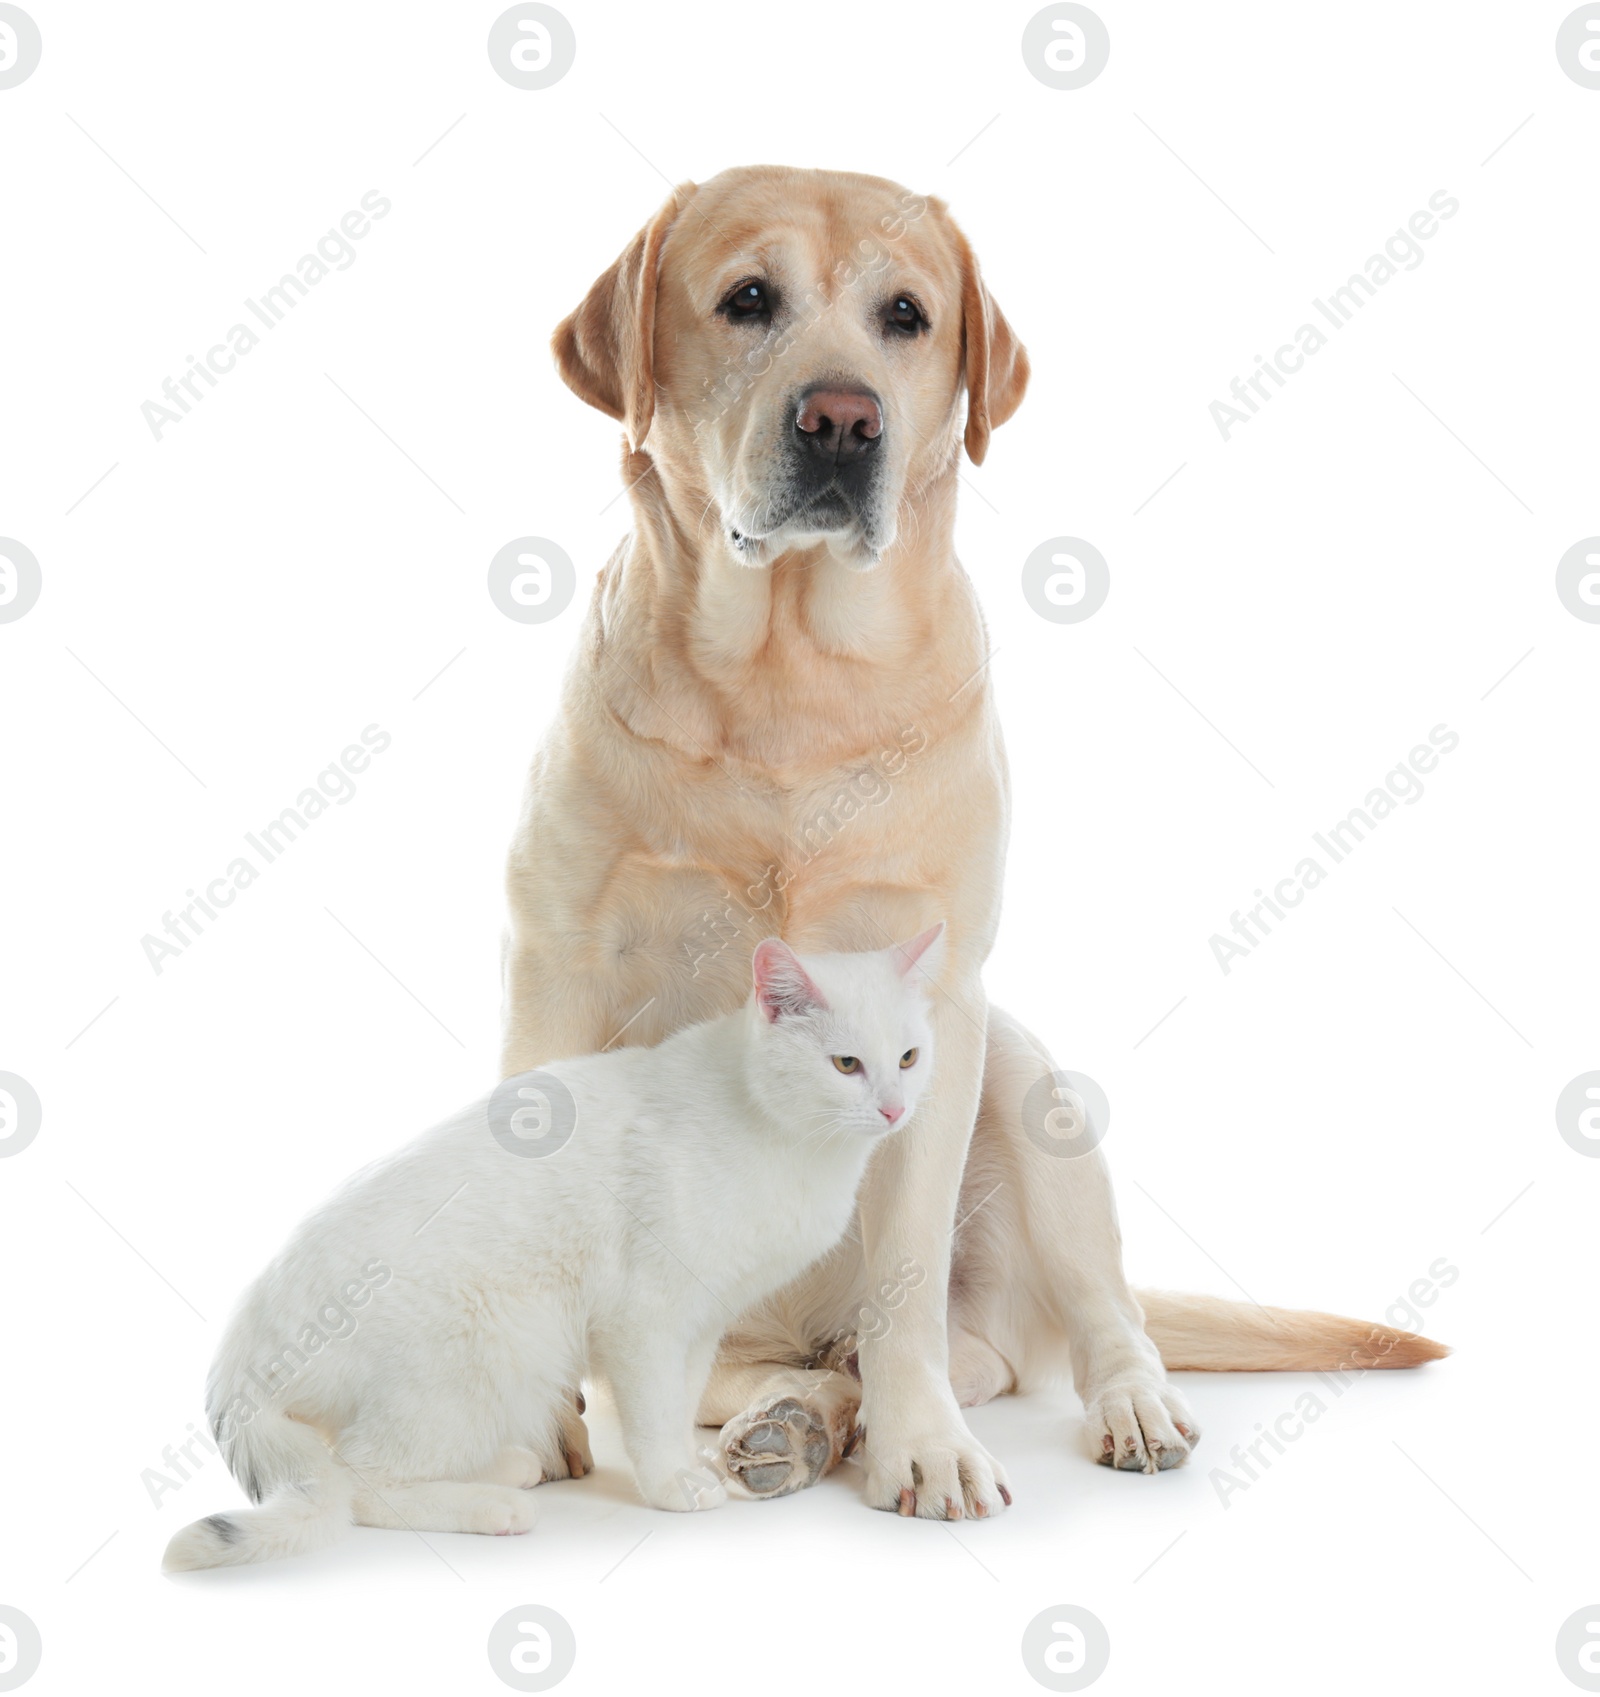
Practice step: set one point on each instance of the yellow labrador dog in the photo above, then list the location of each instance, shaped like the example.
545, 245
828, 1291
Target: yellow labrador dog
778, 721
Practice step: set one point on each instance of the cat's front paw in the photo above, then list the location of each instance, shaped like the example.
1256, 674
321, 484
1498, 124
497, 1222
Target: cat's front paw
686, 1489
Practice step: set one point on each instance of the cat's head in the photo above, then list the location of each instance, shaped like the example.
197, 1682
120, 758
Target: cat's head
847, 1038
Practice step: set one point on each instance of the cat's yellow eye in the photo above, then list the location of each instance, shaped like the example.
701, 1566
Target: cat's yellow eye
847, 1063
908, 1059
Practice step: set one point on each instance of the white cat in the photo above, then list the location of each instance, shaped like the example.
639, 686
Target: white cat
410, 1358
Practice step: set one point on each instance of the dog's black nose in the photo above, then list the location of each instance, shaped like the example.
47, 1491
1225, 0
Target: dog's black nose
839, 424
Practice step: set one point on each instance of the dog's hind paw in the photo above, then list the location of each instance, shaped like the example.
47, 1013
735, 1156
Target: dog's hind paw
779, 1447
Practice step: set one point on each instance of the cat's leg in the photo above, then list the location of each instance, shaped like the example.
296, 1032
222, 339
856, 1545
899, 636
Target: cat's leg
567, 1458
515, 1466
444, 1505
650, 1382
782, 1427
559, 1451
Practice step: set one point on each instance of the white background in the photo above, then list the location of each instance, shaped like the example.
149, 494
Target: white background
1363, 1095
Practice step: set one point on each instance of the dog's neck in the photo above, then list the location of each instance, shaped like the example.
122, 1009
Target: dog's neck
791, 667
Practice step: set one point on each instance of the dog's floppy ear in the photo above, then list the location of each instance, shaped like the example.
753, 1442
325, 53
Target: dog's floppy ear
996, 362
604, 350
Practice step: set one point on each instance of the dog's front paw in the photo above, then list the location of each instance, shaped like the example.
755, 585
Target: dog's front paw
1140, 1426
941, 1473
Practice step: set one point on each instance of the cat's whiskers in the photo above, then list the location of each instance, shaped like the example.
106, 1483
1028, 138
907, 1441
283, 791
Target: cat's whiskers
828, 1122
833, 1124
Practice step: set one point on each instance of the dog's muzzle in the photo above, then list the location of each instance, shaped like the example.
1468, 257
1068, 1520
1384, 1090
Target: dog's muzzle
834, 452
829, 478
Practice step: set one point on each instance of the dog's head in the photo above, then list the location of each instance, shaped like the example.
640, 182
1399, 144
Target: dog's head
793, 346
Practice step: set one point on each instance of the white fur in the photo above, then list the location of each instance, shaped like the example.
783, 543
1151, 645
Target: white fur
430, 1323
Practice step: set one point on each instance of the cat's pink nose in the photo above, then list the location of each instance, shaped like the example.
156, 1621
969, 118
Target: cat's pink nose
892, 1115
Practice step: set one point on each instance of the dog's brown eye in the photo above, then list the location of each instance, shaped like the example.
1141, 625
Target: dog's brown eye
905, 315
749, 300
908, 1059
847, 1063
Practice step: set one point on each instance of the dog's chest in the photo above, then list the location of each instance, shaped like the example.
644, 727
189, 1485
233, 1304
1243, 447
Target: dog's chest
829, 865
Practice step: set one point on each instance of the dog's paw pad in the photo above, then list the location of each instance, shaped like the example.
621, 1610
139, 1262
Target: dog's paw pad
775, 1450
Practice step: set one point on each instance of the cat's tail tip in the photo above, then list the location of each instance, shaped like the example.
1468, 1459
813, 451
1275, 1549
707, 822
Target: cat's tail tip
291, 1524
216, 1541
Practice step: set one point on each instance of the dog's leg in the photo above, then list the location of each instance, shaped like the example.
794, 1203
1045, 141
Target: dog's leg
566, 1454
1056, 1226
782, 1427
920, 1457
978, 1371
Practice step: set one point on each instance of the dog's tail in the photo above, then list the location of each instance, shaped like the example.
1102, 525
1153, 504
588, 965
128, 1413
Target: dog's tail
305, 1498
1214, 1334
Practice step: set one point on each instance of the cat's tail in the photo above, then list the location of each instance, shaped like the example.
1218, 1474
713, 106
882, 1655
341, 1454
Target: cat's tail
1215, 1334
305, 1498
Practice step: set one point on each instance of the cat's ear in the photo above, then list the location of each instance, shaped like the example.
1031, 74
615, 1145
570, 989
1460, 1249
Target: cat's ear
783, 986
925, 950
